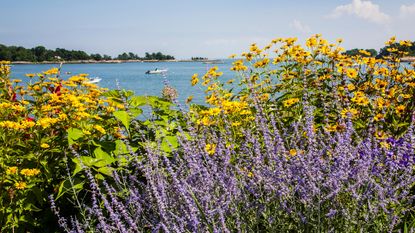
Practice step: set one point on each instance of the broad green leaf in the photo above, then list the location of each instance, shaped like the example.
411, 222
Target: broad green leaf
105, 170
31, 207
65, 187
169, 143
123, 117
104, 156
78, 166
74, 134
137, 101
135, 112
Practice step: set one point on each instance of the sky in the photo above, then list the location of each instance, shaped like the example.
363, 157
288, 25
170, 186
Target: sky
196, 28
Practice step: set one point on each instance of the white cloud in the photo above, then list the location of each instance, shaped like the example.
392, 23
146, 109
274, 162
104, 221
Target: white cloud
362, 9
407, 10
296, 24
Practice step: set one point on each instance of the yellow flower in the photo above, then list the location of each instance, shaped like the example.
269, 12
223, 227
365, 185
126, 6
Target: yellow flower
238, 66
195, 80
214, 111
210, 148
351, 87
289, 102
406, 43
351, 73
5, 106
380, 135
385, 145
205, 121
30, 75
360, 98
364, 52
378, 117
189, 99
18, 108
10, 125
261, 63
400, 109
30, 172
11, 170
380, 84
51, 71
47, 122
44, 145
293, 152
20, 185
86, 132
110, 109
236, 123
311, 42
353, 112
264, 97
391, 41
100, 129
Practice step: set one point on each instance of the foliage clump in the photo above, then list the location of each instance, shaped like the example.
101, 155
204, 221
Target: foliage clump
305, 138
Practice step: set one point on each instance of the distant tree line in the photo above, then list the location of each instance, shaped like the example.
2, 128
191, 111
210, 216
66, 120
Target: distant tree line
411, 49
40, 54
354, 52
198, 58
383, 52
148, 56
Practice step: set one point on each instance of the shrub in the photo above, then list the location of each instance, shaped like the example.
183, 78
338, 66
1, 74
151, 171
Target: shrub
34, 118
300, 145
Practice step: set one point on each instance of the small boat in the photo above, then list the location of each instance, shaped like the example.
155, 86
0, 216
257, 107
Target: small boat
93, 80
156, 71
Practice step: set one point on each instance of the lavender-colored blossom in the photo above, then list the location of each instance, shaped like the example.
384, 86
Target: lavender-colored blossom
333, 182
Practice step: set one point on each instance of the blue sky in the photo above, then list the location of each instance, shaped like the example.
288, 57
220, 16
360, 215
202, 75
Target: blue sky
186, 28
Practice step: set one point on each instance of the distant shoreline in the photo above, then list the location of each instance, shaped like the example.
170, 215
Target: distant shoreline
105, 61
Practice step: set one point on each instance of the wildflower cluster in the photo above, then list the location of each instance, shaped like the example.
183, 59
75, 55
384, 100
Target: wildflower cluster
34, 118
310, 139
374, 90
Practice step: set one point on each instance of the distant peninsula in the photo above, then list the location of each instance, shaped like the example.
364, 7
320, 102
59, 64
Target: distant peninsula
112, 61
40, 54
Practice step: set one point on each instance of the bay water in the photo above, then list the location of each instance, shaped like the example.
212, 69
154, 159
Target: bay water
131, 76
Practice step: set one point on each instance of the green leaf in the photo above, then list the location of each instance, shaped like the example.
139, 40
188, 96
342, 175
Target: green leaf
127, 93
104, 156
65, 187
74, 134
135, 112
31, 207
137, 101
78, 166
121, 148
169, 143
105, 170
112, 93
123, 117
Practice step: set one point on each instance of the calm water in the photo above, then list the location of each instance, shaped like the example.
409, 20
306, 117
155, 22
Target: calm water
132, 76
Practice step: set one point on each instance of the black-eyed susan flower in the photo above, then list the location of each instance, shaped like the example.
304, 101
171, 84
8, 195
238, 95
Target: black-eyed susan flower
12, 170
210, 148
30, 172
400, 109
20, 185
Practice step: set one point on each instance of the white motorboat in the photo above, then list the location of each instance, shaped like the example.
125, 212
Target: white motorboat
157, 71
94, 80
